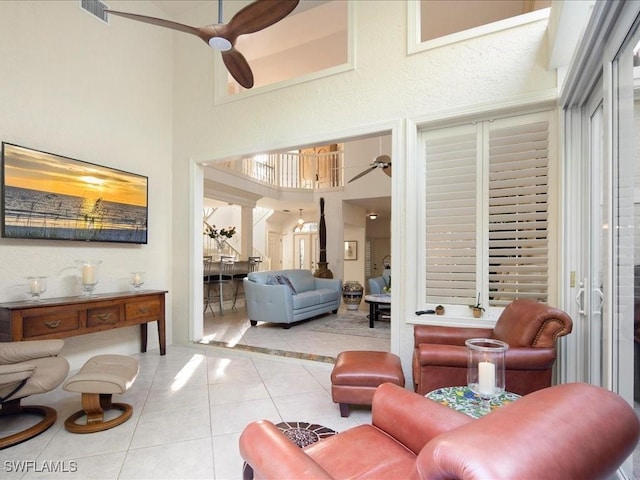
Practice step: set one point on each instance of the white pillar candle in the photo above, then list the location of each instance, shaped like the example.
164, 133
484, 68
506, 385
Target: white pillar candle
137, 279
34, 286
88, 274
486, 378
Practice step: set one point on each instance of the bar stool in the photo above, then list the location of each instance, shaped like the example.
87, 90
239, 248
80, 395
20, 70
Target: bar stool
254, 263
222, 277
207, 272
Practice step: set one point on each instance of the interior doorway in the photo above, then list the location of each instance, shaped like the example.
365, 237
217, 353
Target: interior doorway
305, 250
281, 244
274, 250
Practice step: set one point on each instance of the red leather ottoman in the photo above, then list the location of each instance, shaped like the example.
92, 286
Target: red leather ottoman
357, 374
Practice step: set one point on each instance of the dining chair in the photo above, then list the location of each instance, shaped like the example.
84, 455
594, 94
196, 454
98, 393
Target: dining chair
224, 275
252, 266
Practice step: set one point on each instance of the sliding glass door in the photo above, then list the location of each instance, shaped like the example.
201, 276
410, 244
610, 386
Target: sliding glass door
602, 213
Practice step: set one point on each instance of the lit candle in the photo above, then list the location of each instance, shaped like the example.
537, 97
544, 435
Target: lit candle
88, 274
486, 378
34, 287
137, 279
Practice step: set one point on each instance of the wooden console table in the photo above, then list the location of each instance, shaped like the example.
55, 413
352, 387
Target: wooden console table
71, 316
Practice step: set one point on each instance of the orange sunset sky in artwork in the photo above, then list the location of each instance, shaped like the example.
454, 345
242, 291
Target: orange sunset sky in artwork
26, 168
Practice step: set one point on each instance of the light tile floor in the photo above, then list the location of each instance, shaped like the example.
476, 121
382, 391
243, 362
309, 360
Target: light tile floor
190, 407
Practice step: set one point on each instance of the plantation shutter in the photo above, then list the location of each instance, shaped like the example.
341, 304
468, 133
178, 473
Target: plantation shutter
487, 211
518, 211
450, 230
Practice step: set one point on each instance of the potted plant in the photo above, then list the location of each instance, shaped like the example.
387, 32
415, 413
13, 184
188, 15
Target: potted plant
220, 236
477, 308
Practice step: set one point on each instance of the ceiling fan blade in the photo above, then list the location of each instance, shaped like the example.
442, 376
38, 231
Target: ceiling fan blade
157, 21
259, 15
387, 170
362, 174
238, 67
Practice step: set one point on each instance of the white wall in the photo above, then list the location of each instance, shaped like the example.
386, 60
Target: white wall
74, 86
386, 88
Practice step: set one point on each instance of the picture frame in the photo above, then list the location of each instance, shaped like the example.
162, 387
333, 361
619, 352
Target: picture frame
51, 197
350, 250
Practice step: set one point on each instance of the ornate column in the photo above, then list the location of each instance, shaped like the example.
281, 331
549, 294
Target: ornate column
323, 267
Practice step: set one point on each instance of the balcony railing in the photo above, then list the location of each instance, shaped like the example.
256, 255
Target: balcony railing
296, 170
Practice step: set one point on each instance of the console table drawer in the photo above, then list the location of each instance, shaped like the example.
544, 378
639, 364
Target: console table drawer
103, 316
149, 308
50, 324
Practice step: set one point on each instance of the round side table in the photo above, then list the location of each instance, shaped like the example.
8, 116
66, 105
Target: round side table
464, 400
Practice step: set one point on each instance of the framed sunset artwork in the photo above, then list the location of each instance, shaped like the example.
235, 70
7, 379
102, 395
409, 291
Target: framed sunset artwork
51, 197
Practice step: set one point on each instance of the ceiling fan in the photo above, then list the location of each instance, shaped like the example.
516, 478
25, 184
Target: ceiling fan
222, 36
381, 161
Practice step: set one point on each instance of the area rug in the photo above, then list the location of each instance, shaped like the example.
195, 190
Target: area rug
353, 323
300, 433
303, 433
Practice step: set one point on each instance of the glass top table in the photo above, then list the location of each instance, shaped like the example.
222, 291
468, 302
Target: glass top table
464, 400
376, 301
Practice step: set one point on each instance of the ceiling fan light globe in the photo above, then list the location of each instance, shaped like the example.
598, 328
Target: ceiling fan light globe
220, 43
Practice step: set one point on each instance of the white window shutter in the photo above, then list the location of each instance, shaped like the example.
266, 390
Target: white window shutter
450, 229
518, 211
500, 181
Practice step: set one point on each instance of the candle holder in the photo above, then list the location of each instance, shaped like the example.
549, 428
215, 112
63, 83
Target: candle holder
36, 286
88, 275
485, 370
137, 280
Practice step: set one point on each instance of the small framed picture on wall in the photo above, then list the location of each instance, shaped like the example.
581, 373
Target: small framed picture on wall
350, 250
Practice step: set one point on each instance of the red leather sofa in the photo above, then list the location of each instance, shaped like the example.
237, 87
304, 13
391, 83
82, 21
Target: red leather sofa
530, 328
571, 431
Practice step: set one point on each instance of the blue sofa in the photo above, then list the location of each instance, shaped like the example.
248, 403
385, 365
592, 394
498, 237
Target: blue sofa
287, 296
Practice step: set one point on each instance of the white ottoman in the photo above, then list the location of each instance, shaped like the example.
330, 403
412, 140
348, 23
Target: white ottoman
97, 380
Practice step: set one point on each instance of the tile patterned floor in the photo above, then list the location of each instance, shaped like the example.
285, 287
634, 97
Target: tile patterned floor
189, 409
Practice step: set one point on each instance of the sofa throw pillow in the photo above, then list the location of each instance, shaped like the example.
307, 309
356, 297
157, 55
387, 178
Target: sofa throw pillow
285, 281
273, 280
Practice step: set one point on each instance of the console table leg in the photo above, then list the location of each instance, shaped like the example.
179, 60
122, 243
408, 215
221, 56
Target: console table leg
143, 337
161, 336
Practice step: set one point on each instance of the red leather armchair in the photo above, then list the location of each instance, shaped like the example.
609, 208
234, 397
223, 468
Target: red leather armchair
530, 328
567, 431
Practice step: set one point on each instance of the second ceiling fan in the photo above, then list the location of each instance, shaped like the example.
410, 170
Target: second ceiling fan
222, 36
381, 161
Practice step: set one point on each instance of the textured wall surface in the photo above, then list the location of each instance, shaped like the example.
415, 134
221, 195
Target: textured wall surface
74, 86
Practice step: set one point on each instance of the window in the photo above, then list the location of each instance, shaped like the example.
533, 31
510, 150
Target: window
433, 23
487, 211
313, 41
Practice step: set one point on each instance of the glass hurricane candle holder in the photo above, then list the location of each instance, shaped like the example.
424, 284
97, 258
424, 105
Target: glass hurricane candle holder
137, 280
36, 286
88, 275
485, 369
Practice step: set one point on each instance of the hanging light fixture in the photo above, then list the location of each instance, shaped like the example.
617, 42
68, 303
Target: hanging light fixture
300, 219
373, 216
